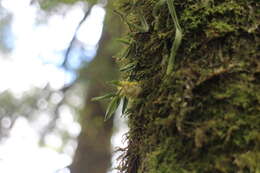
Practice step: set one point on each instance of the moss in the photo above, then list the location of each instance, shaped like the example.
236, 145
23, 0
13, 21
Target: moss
129, 89
205, 116
218, 27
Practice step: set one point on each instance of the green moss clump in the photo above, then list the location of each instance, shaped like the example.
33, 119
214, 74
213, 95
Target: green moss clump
205, 116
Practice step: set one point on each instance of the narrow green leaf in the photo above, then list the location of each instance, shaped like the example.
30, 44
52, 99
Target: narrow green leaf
106, 96
174, 49
124, 41
144, 25
123, 18
112, 107
173, 14
177, 39
125, 103
127, 52
114, 82
128, 67
119, 14
137, 27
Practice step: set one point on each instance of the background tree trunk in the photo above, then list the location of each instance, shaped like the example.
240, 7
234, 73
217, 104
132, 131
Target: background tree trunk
93, 154
204, 116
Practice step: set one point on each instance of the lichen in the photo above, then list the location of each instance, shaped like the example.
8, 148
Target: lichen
204, 116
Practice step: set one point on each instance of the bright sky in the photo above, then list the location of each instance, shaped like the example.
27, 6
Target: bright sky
24, 69
22, 154
118, 137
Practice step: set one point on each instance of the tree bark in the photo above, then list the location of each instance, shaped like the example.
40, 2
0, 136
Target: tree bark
204, 115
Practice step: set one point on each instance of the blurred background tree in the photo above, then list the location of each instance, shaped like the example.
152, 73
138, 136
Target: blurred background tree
93, 153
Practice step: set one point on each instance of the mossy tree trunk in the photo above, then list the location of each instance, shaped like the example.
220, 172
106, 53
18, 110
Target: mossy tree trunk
203, 116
